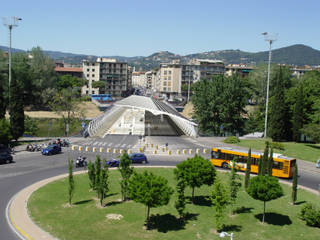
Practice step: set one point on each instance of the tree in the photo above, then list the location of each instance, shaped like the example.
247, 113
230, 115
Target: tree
16, 105
126, 171
220, 102
5, 132
97, 172
150, 190
70, 180
220, 201
297, 122
101, 85
68, 81
91, 175
30, 126
263, 161
103, 186
235, 184
180, 203
195, 172
270, 163
294, 184
279, 117
66, 105
264, 188
2, 96
248, 170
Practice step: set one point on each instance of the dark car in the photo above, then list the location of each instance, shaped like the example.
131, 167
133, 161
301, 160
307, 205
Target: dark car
5, 157
112, 163
51, 149
138, 158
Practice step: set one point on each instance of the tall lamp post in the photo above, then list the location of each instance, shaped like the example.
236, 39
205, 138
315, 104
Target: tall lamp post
13, 22
270, 39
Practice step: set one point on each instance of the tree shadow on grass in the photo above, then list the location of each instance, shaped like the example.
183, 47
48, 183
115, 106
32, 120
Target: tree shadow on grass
168, 222
299, 203
110, 194
313, 146
200, 200
83, 202
275, 219
232, 228
243, 209
113, 203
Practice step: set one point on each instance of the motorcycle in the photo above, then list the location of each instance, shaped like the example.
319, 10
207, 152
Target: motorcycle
65, 143
81, 162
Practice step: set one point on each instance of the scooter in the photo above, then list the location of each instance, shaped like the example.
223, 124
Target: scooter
81, 162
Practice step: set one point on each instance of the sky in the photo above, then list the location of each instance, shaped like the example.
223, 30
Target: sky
143, 27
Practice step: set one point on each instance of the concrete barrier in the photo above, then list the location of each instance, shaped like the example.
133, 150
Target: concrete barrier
80, 148
190, 151
169, 152
205, 150
121, 151
184, 151
115, 151
178, 152
73, 147
155, 152
94, 149
108, 150
198, 151
87, 149
101, 149
129, 151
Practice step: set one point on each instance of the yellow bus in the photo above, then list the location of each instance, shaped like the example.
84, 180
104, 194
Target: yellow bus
283, 167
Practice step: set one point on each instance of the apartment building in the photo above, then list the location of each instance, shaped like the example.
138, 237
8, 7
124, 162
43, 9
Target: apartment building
117, 76
170, 79
240, 69
139, 79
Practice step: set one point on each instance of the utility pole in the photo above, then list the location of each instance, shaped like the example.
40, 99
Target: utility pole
13, 22
270, 39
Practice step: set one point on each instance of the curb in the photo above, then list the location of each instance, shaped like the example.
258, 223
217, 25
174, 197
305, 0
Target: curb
26, 229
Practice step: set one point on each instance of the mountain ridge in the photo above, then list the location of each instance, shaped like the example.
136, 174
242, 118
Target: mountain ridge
298, 54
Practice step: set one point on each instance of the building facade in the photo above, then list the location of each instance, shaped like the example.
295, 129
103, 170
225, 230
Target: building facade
116, 75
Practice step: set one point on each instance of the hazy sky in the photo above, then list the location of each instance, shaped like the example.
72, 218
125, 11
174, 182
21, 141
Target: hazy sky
142, 27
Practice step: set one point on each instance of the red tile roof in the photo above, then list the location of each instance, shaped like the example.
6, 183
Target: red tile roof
69, 69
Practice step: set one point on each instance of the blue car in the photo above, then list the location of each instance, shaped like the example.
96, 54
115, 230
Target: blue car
51, 149
138, 158
112, 163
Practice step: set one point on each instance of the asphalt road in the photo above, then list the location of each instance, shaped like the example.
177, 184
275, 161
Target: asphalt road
32, 167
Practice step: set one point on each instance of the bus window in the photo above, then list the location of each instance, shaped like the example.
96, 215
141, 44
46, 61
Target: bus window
293, 163
277, 165
214, 155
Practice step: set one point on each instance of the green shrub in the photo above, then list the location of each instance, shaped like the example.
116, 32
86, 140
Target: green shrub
311, 215
85, 98
232, 140
277, 145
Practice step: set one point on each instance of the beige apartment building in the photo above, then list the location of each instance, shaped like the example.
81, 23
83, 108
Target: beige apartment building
170, 79
117, 76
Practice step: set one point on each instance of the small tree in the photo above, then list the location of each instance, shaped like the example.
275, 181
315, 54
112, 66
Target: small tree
150, 190
180, 203
70, 180
196, 172
235, 184
263, 161
103, 186
91, 175
270, 162
264, 188
126, 171
248, 170
295, 184
5, 133
220, 201
97, 172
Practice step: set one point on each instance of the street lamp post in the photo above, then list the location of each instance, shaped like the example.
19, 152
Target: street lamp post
269, 39
10, 24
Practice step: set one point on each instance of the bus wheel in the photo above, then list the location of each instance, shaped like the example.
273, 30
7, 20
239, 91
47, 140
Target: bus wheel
224, 165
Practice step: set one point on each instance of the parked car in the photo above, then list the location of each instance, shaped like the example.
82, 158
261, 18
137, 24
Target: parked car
51, 149
5, 157
318, 163
138, 158
112, 163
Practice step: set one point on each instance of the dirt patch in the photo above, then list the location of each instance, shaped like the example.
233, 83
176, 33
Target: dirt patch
188, 110
114, 216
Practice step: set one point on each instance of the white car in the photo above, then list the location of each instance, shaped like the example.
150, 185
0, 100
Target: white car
318, 163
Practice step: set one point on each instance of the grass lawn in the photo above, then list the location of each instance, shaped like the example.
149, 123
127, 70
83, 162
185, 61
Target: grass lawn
55, 129
87, 220
304, 151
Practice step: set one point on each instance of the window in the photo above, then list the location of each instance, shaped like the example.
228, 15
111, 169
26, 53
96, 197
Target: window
165, 72
92, 92
165, 78
93, 69
164, 83
169, 78
88, 75
87, 92
169, 89
88, 69
169, 72
277, 165
214, 155
164, 89
169, 83
92, 75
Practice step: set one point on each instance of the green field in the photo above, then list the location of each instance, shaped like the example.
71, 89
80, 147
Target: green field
304, 151
87, 220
